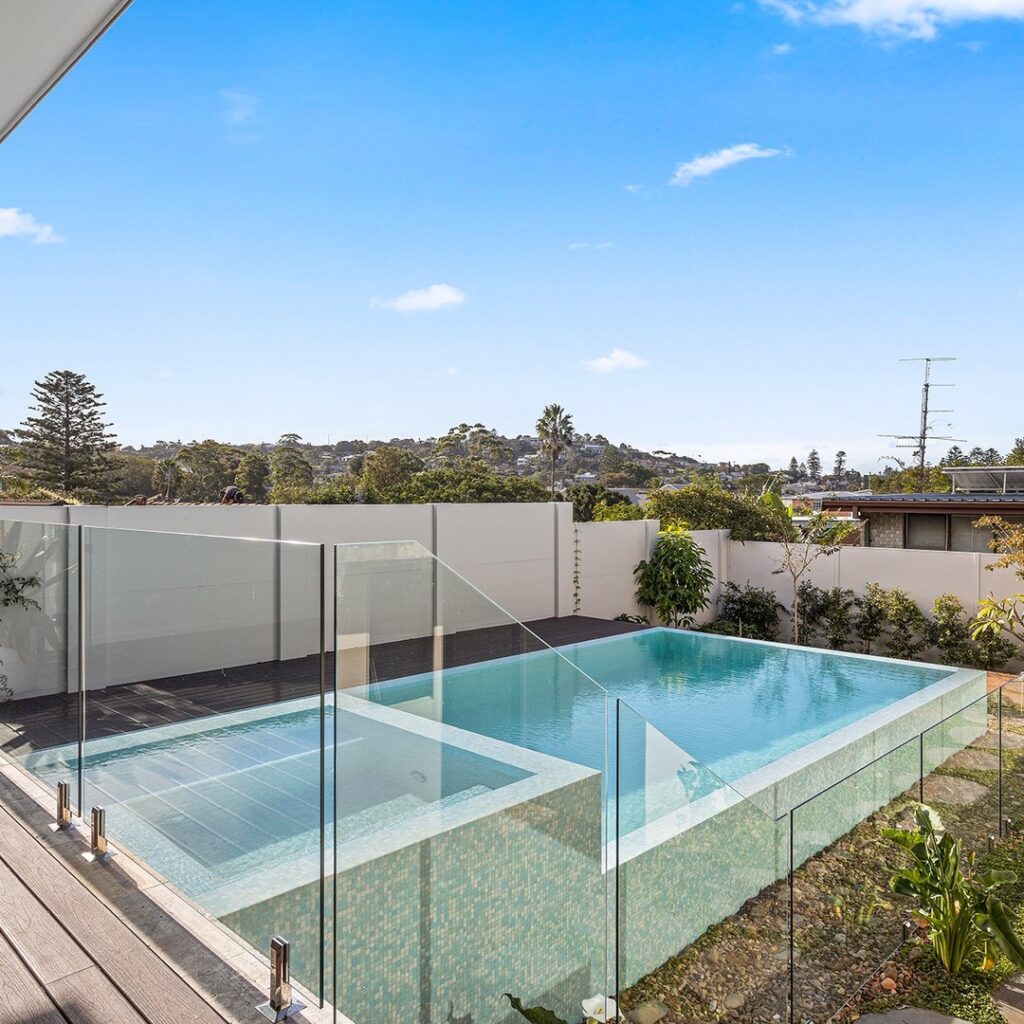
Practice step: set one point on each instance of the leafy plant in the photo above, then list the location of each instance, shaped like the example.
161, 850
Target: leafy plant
951, 633
906, 631
966, 920
621, 513
704, 504
676, 580
534, 1014
869, 617
749, 611
827, 615
14, 589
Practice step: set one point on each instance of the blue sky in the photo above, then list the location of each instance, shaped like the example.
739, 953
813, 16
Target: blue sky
709, 227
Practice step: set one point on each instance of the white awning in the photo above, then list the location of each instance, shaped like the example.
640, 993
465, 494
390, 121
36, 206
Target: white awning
40, 40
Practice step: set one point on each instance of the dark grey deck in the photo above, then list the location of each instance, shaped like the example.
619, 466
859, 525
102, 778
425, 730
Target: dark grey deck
40, 722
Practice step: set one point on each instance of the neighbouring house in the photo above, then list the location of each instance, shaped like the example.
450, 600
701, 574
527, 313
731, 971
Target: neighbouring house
939, 522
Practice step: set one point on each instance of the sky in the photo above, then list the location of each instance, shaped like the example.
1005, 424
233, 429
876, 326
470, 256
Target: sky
709, 227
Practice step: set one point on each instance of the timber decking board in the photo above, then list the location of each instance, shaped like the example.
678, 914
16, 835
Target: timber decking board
22, 998
133, 974
41, 722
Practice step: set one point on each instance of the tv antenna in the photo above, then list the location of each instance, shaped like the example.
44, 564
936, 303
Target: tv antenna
919, 441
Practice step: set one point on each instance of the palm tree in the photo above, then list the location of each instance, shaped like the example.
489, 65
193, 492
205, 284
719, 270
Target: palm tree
554, 428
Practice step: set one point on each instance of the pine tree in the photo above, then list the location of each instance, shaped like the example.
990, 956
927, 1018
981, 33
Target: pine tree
794, 469
66, 445
253, 475
1015, 457
839, 469
814, 464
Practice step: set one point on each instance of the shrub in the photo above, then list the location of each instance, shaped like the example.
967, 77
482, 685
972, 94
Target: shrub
677, 578
907, 630
951, 633
586, 498
827, 615
706, 505
604, 513
747, 611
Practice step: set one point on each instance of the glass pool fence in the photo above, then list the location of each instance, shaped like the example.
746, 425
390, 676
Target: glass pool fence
351, 747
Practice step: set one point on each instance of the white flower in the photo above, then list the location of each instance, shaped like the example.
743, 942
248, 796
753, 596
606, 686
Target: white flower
601, 1009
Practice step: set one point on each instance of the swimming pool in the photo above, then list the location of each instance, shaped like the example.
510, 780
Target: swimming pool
483, 811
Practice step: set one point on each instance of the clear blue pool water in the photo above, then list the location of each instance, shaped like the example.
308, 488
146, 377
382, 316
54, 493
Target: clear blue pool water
733, 706
212, 802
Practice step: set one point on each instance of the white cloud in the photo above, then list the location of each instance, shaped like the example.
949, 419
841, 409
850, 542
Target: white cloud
782, 49
15, 223
617, 359
419, 300
711, 163
592, 246
239, 107
910, 19
633, 188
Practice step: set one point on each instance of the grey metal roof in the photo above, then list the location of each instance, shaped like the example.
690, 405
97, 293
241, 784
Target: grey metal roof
976, 498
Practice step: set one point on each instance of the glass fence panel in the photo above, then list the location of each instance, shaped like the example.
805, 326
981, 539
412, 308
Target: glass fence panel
39, 650
470, 763
961, 759
203, 723
846, 921
1010, 717
702, 904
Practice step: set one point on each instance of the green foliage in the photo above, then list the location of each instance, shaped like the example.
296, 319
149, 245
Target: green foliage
476, 444
130, 474
906, 629
534, 1014
967, 920
206, 467
828, 615
472, 485
747, 611
338, 491
556, 433
619, 513
65, 445
951, 632
166, 478
289, 467
14, 588
631, 474
677, 578
705, 505
585, 497
386, 470
253, 476
907, 480
1015, 457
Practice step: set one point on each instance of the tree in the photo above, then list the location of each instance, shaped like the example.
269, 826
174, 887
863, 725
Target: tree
475, 442
704, 504
814, 464
555, 430
1015, 456
288, 466
676, 580
1006, 615
131, 474
253, 475
66, 444
166, 478
954, 457
794, 469
206, 467
586, 497
840, 465
386, 469
820, 535
456, 485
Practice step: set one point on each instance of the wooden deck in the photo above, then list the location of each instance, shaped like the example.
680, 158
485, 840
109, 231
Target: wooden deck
65, 956
41, 722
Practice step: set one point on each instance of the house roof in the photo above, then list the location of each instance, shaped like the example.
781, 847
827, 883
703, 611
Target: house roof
965, 503
40, 41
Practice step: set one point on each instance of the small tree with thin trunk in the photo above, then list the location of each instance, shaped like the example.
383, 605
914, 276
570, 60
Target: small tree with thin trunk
556, 433
819, 536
